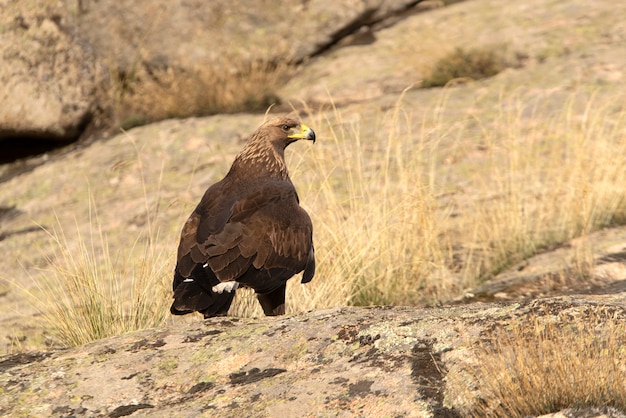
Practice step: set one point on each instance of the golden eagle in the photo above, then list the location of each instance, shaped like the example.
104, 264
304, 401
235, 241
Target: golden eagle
248, 230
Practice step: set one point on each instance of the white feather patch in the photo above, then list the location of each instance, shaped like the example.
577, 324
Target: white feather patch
225, 286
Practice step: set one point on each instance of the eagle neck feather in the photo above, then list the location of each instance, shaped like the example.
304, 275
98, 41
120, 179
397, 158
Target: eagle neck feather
260, 157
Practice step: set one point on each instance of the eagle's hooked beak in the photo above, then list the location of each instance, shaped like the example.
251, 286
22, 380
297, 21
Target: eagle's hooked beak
305, 133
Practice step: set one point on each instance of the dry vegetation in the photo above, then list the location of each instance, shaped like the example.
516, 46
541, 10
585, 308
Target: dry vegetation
463, 65
141, 97
91, 293
541, 364
412, 213
397, 223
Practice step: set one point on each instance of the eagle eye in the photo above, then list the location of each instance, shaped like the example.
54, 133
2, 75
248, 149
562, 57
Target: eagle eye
286, 128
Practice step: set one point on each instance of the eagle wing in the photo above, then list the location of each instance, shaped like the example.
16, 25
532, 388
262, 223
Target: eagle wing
266, 230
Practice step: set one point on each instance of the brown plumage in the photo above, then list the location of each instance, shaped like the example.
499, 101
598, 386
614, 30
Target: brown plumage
248, 230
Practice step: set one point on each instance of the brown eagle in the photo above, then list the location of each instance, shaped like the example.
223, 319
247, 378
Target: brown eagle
248, 230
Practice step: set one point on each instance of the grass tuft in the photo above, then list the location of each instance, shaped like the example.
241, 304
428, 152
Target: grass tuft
541, 365
464, 65
91, 293
148, 95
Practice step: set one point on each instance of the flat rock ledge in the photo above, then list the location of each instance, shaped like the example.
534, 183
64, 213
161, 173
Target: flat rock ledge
336, 362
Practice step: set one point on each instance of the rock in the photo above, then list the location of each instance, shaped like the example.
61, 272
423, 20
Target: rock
593, 264
339, 362
46, 78
404, 53
588, 412
66, 64
200, 33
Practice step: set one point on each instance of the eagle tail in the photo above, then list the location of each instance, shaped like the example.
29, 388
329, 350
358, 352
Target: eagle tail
191, 296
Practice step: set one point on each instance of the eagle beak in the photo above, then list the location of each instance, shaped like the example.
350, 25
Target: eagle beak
305, 133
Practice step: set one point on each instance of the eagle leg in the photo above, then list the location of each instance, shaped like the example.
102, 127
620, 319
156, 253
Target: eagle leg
273, 303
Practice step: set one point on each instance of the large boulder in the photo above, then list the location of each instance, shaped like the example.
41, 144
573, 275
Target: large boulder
46, 79
196, 32
66, 63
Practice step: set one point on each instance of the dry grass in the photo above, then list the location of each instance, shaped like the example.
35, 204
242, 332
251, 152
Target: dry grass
376, 215
464, 65
393, 226
540, 365
90, 293
411, 210
547, 180
91, 289
224, 87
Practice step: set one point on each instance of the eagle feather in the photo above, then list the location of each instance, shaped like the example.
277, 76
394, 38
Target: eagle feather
248, 228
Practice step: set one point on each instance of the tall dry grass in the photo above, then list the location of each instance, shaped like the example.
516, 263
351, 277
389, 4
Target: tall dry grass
376, 214
91, 289
396, 223
226, 86
90, 292
411, 208
539, 365
546, 180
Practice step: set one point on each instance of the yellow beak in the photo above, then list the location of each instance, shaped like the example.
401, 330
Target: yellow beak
305, 133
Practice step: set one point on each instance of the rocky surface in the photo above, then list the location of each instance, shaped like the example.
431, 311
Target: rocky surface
554, 272
63, 63
47, 78
551, 44
341, 362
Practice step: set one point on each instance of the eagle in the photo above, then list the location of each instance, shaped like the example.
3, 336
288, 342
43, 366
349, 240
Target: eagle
247, 231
